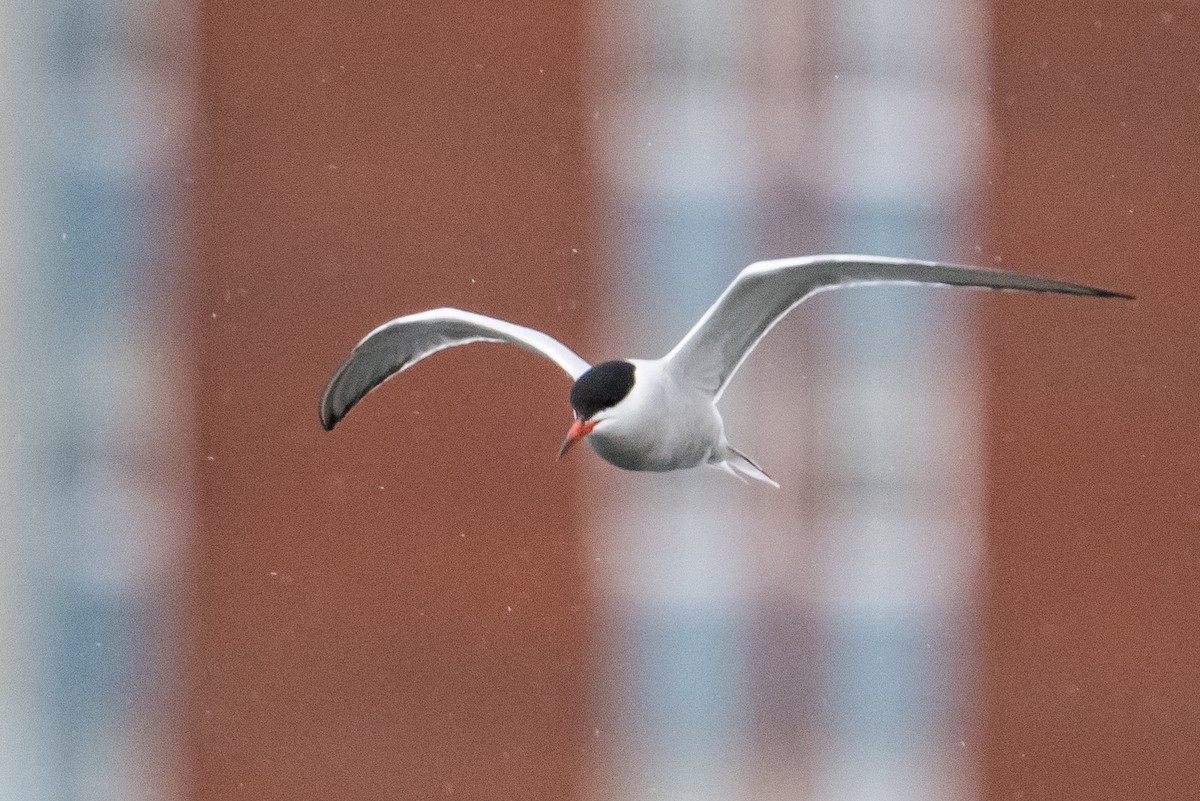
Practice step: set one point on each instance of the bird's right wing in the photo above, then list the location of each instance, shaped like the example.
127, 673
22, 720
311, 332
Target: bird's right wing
397, 345
709, 355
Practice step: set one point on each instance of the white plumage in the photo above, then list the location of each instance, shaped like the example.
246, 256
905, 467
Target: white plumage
661, 414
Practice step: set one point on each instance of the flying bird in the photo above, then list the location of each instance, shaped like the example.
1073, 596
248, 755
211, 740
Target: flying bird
661, 414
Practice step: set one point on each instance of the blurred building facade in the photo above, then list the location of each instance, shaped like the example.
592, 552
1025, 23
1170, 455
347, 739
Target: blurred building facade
826, 651
203, 595
95, 129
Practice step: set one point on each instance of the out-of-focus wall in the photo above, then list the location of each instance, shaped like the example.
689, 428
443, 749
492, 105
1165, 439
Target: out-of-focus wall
1094, 449
397, 609
394, 610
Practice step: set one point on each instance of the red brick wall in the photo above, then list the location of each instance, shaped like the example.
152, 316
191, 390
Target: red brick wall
393, 610
1093, 623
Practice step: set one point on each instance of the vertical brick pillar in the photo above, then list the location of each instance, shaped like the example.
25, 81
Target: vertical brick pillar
393, 610
1092, 650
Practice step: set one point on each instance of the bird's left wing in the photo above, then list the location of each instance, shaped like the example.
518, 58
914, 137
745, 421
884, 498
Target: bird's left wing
399, 344
709, 355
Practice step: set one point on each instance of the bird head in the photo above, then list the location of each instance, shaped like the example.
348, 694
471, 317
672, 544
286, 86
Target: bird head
594, 395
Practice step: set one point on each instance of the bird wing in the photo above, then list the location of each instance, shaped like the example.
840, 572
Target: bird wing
399, 344
709, 355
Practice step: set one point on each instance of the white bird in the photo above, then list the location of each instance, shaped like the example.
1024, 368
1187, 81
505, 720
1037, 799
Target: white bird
661, 414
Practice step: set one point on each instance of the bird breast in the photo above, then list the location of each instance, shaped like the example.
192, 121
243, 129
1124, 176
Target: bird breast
659, 426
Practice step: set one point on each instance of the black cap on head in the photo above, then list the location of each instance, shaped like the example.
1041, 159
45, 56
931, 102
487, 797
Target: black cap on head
601, 387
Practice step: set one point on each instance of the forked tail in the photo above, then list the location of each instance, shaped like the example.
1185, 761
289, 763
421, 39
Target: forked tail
739, 464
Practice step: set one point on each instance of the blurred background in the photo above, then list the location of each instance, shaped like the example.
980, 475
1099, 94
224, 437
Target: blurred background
979, 579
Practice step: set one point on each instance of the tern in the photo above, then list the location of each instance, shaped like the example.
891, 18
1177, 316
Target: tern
661, 414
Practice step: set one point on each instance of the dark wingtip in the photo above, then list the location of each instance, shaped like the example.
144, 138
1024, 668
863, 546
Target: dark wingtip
334, 404
1097, 292
328, 414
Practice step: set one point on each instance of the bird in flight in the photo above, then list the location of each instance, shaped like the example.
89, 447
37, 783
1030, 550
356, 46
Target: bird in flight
661, 414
